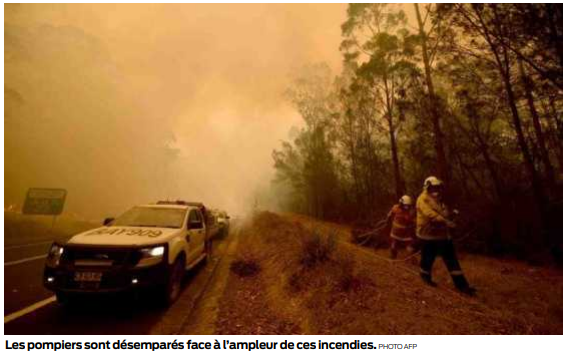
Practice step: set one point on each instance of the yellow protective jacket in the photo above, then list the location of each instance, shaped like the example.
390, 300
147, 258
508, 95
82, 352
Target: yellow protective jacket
431, 218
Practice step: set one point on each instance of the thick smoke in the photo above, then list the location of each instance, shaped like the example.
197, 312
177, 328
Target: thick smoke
127, 104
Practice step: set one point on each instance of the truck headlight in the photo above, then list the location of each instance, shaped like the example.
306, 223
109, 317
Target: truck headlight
54, 255
150, 256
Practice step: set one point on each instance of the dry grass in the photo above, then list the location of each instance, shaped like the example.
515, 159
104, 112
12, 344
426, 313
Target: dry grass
245, 267
315, 278
317, 248
244, 306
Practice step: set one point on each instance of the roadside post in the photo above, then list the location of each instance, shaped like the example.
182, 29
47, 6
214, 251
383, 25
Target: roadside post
45, 201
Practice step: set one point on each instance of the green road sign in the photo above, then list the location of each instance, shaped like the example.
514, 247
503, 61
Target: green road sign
44, 201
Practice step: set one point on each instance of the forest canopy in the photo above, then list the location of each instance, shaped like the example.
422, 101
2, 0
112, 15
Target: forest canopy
470, 93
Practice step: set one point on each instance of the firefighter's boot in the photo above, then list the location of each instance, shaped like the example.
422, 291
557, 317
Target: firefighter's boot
461, 283
393, 252
427, 278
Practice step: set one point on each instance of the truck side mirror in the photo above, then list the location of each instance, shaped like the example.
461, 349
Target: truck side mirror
107, 221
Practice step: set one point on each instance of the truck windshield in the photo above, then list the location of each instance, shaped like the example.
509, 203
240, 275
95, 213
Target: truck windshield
152, 217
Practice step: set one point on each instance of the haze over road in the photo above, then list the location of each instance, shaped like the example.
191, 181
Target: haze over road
126, 104
351, 145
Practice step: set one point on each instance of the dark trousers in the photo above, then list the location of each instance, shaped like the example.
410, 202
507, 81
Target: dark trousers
445, 249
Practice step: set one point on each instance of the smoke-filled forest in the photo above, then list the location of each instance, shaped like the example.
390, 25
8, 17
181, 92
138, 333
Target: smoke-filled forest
470, 93
283, 169
125, 104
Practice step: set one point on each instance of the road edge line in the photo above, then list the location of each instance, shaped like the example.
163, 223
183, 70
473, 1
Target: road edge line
31, 308
24, 260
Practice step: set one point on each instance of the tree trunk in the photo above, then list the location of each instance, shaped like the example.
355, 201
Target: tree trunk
537, 127
554, 128
491, 167
521, 140
551, 12
398, 181
441, 162
504, 68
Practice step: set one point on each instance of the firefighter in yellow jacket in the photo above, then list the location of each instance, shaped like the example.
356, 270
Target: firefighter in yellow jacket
402, 218
433, 224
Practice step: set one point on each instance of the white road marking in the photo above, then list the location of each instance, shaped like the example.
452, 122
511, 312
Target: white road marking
28, 245
28, 309
20, 261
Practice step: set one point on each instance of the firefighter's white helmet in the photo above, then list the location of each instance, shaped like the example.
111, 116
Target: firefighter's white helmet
405, 200
432, 181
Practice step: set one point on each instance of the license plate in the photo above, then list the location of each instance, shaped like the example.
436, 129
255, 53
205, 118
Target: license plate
89, 285
88, 276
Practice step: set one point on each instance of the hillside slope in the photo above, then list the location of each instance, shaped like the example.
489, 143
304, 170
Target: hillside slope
297, 275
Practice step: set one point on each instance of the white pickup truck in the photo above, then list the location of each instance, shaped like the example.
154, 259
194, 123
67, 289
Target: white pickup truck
148, 246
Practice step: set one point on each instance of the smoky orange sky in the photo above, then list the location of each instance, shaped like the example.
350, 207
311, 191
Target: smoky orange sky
127, 104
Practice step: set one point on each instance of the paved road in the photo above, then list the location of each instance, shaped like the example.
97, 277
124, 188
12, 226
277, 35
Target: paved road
37, 312
23, 271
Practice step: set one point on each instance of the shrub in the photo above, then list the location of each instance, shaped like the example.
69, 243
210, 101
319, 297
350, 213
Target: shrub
245, 267
317, 248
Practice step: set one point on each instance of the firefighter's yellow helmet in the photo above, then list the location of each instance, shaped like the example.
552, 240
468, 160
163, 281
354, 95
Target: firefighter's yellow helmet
432, 181
405, 200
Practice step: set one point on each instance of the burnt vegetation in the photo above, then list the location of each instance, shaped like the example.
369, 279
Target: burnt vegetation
471, 93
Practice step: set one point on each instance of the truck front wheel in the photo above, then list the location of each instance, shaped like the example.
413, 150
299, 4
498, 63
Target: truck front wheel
172, 289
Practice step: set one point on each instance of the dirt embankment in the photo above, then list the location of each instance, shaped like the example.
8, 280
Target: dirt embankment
296, 275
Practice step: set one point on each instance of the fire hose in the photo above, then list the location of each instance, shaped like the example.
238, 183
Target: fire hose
383, 223
379, 227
